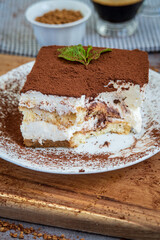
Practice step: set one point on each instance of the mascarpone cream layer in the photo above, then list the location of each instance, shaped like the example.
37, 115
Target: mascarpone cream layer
129, 93
129, 98
41, 130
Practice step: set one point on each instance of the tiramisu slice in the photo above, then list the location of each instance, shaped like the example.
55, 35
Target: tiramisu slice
64, 102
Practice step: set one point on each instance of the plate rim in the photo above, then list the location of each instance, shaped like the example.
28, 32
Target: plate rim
129, 164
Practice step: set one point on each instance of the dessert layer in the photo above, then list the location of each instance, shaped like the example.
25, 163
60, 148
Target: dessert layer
117, 111
46, 143
123, 104
127, 94
32, 115
38, 128
75, 140
56, 76
50, 103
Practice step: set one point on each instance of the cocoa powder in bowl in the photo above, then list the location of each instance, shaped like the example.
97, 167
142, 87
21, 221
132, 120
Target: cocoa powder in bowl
60, 16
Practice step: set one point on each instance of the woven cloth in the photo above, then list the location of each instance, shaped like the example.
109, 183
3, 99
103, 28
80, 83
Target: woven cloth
17, 37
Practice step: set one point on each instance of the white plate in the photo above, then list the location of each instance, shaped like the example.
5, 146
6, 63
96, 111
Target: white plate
92, 157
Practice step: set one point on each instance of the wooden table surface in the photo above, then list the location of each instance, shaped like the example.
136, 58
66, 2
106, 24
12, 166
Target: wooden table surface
123, 203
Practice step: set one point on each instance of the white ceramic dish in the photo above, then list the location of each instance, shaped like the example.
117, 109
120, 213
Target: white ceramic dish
92, 157
58, 34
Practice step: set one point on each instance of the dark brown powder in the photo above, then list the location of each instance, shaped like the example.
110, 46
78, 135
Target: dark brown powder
105, 144
116, 101
60, 16
20, 231
56, 76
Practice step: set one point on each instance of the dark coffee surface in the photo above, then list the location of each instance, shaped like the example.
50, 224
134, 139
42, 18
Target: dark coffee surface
55, 76
117, 13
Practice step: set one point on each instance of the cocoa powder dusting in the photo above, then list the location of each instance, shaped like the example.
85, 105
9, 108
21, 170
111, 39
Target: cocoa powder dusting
12, 117
56, 76
116, 101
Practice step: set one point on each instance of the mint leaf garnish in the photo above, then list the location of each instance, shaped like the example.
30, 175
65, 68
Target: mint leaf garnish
88, 50
73, 53
95, 54
78, 54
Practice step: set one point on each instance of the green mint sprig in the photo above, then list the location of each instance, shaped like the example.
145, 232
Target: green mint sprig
78, 54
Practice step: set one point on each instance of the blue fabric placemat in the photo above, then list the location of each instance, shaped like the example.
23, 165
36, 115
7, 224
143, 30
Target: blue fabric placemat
16, 35
71, 234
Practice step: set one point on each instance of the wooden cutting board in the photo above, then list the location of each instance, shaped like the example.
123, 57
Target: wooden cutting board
123, 203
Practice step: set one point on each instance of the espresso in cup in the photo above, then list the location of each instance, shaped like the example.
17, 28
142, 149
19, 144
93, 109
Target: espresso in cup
117, 11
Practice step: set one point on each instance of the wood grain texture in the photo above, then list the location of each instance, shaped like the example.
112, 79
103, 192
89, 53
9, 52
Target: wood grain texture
8, 62
123, 203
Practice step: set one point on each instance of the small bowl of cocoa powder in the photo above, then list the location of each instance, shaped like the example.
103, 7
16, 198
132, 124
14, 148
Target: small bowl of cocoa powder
61, 22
